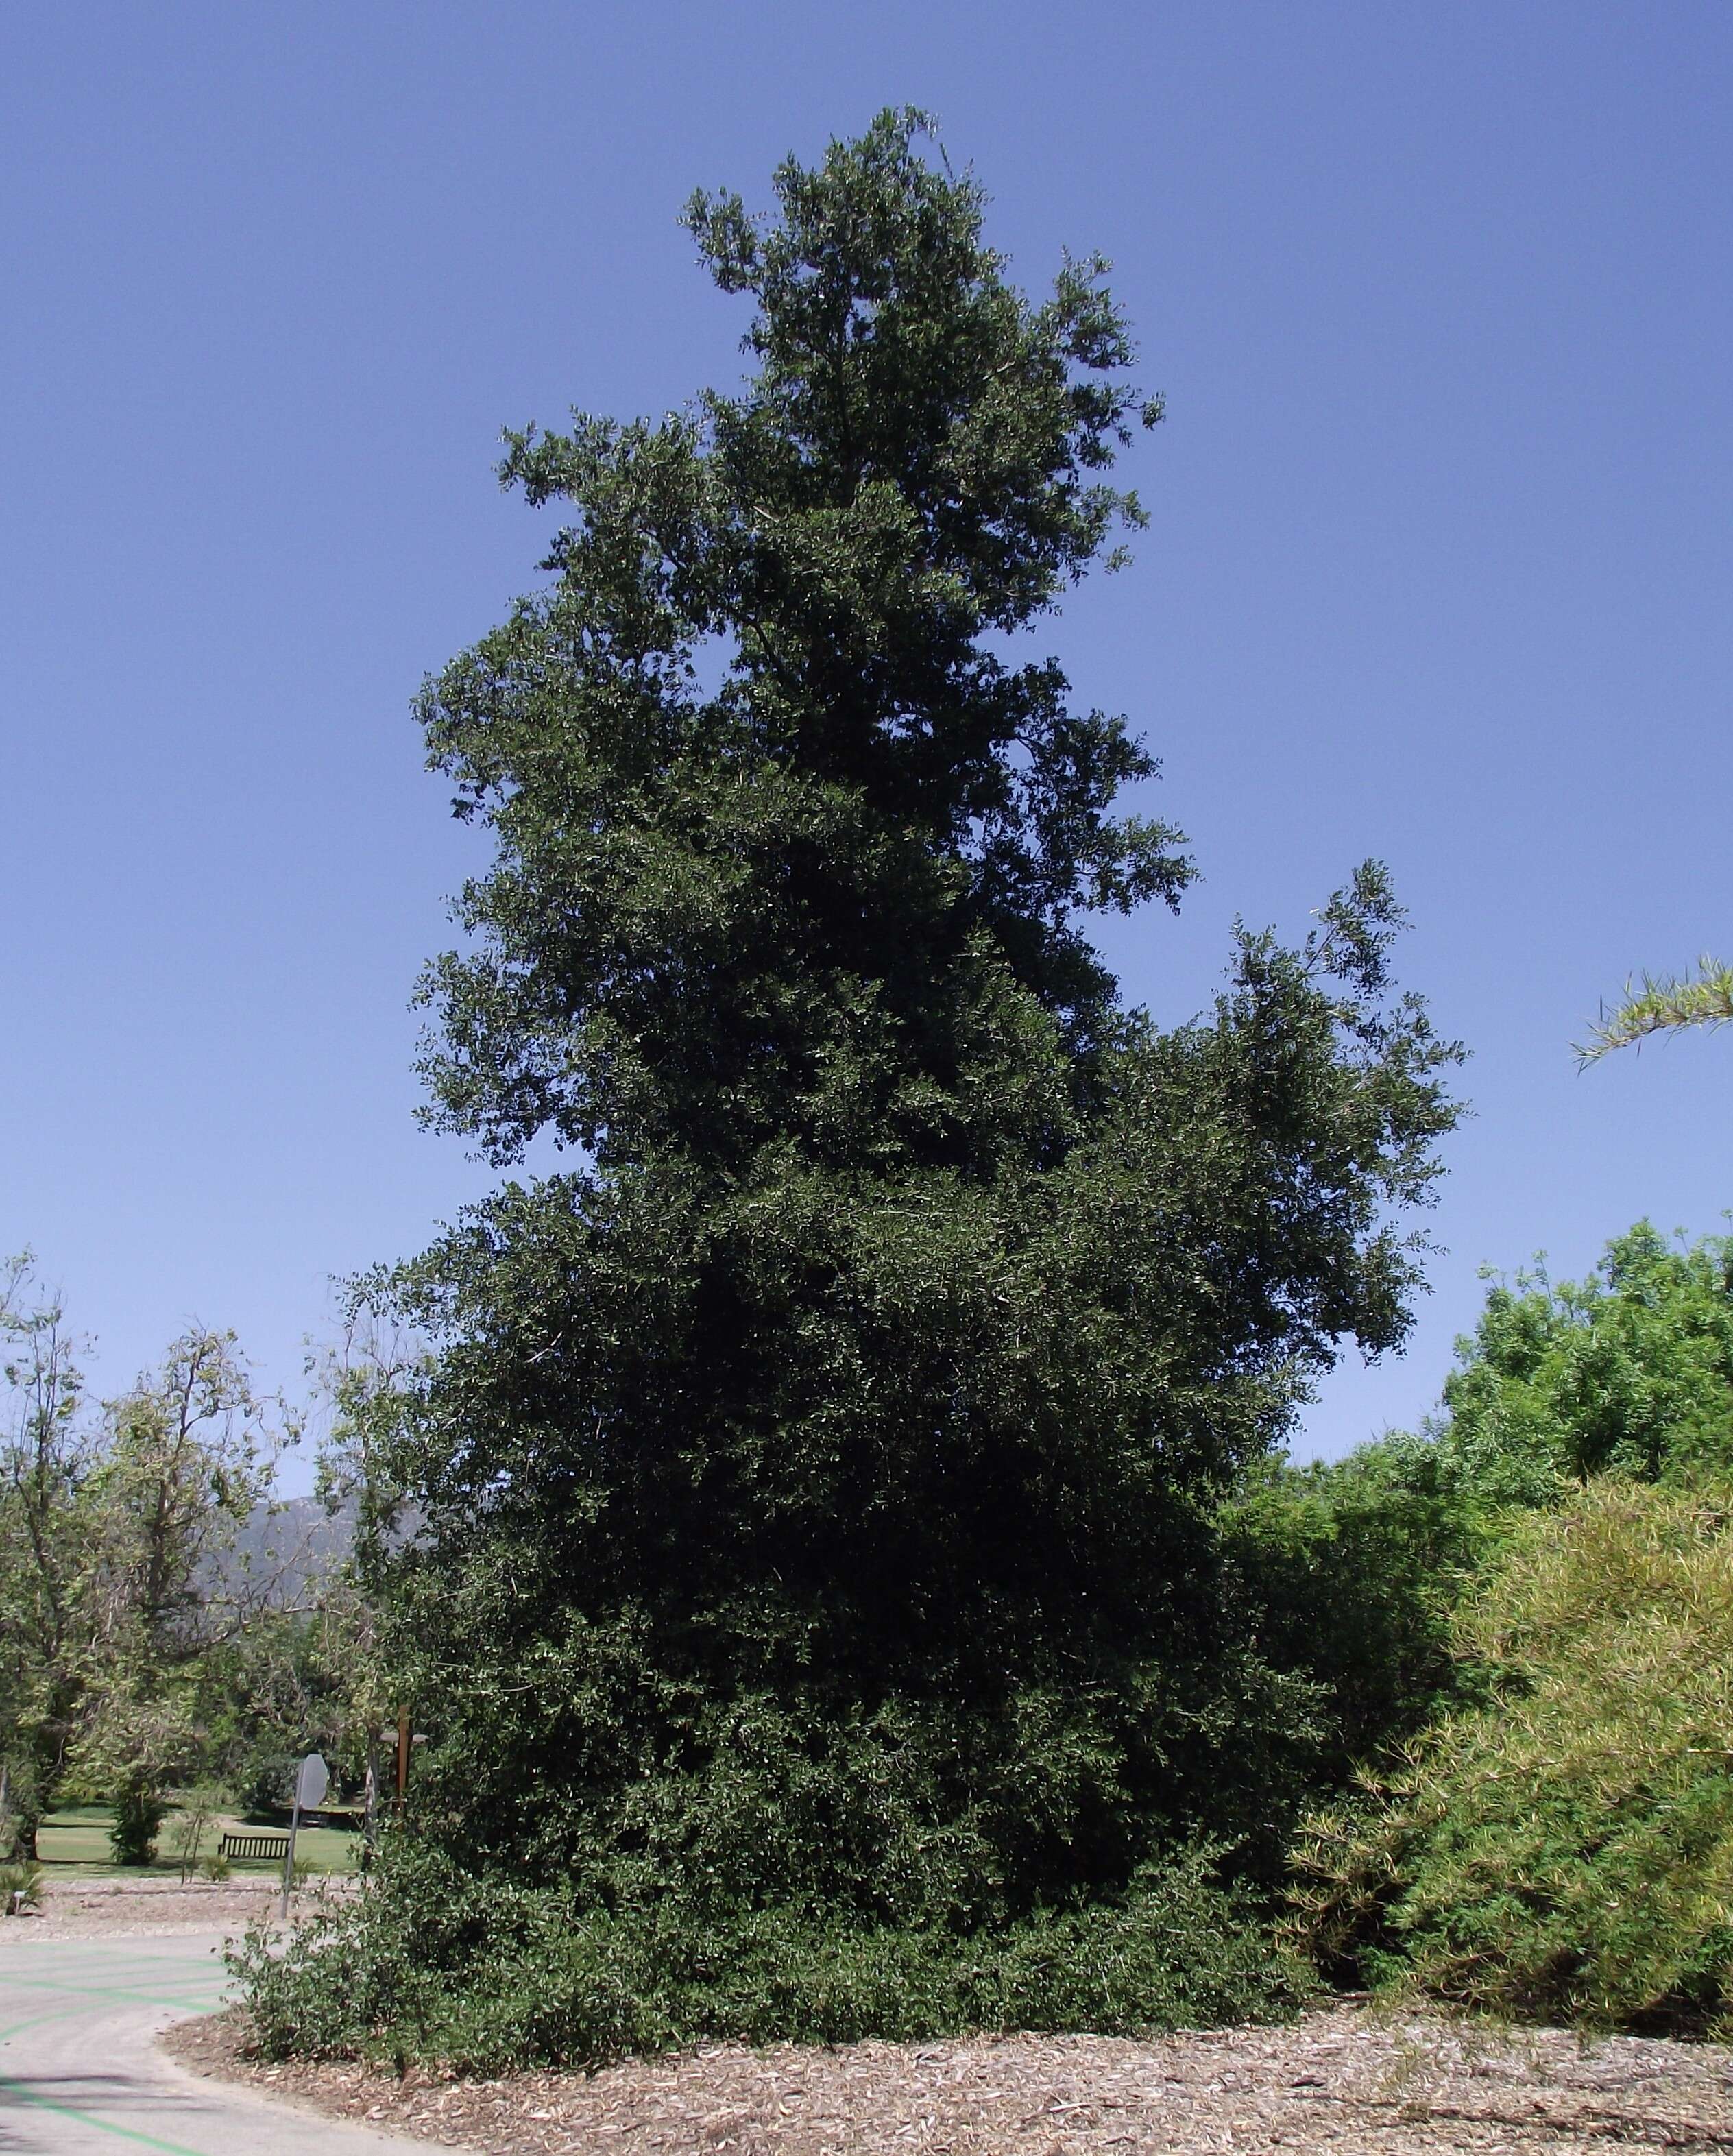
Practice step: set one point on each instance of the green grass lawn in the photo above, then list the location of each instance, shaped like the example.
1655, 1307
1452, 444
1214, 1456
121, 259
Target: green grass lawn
75, 1842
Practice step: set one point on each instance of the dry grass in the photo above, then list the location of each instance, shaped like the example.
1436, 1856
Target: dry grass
1350, 2080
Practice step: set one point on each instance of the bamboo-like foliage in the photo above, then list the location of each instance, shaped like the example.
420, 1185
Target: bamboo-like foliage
1566, 1849
1662, 1004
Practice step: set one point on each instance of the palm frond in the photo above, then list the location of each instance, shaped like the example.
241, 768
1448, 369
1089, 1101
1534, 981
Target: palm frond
1660, 1005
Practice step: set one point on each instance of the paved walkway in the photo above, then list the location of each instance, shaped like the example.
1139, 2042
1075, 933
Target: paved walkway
82, 2074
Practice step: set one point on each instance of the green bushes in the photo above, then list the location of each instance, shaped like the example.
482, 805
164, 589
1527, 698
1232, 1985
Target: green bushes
1565, 1851
1514, 1630
484, 1977
1556, 1841
1629, 1372
139, 1812
1352, 1570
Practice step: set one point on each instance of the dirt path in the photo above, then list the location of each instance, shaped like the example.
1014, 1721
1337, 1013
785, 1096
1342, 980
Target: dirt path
1344, 2081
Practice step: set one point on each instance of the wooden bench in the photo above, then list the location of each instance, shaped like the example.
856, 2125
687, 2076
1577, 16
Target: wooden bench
274, 1846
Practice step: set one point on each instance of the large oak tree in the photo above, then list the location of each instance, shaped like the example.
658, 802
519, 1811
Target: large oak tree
809, 1495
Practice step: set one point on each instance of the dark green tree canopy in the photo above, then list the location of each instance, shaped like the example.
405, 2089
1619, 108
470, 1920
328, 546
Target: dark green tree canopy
788, 850
814, 1490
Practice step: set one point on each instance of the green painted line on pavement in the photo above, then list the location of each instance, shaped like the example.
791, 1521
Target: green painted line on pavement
97, 1991
19, 2092
59, 1954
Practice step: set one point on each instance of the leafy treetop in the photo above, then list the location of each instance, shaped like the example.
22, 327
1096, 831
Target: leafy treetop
837, 887
1629, 1371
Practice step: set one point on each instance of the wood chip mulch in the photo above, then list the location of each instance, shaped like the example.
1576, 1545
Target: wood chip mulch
106, 1908
1348, 2080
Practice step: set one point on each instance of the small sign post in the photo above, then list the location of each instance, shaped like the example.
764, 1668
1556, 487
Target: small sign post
311, 1781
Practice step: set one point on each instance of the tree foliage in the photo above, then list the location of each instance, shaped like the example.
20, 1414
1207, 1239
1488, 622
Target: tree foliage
1552, 1838
47, 1455
189, 1460
810, 1499
489, 1977
1629, 1371
1356, 1566
1352, 1572
129, 1605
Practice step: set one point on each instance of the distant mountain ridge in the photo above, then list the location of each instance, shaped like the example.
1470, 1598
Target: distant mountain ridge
289, 1547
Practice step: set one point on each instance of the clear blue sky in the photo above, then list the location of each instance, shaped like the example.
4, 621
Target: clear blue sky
1439, 567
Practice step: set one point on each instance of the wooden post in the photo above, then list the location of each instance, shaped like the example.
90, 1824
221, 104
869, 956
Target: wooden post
402, 1754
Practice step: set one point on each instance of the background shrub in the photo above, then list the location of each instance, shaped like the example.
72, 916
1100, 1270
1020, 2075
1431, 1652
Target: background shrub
138, 1812
1629, 1372
1566, 1850
1352, 1570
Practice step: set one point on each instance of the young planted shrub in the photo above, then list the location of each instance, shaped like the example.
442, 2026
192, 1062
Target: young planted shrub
21, 1887
139, 1810
1564, 1852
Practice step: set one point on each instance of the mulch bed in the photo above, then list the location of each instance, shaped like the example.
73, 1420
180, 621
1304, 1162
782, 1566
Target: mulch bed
141, 1907
1351, 2079
106, 1908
